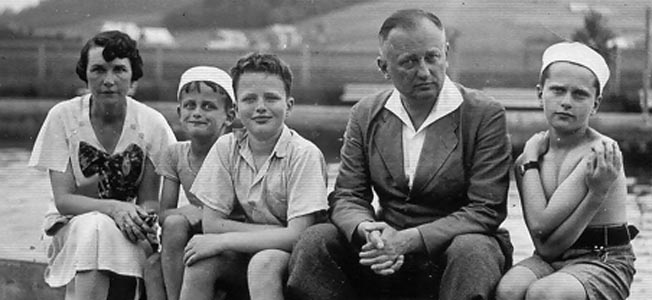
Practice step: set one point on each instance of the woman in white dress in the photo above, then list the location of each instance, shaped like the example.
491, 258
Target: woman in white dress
100, 150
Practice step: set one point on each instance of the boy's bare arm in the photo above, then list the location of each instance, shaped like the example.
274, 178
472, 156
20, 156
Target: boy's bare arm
214, 221
148, 188
602, 168
544, 216
169, 198
567, 233
283, 238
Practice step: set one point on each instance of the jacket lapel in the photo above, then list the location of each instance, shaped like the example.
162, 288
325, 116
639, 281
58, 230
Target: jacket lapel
441, 140
387, 138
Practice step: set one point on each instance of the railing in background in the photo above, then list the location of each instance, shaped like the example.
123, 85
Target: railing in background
46, 68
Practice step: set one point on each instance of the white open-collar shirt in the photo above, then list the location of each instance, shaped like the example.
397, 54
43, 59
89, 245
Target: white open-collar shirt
449, 100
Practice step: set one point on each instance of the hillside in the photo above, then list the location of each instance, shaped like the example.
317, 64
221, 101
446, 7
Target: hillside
176, 15
481, 25
60, 13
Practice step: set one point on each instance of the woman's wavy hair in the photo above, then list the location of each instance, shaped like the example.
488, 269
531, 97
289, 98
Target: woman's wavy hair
116, 44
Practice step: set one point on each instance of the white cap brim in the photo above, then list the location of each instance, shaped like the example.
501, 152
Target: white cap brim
210, 74
579, 54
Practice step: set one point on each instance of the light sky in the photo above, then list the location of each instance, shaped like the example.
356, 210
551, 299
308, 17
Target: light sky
17, 5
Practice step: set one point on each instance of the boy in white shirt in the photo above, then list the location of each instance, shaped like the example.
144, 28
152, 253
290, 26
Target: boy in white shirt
274, 174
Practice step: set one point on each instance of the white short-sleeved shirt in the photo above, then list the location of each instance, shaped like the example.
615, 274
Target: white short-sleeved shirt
67, 133
290, 184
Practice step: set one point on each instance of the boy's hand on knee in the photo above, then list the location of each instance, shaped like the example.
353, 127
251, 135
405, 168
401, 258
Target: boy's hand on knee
202, 246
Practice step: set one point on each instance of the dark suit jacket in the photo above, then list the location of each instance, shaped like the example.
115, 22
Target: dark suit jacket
461, 181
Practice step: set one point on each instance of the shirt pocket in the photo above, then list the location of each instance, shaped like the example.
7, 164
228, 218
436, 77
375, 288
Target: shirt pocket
276, 195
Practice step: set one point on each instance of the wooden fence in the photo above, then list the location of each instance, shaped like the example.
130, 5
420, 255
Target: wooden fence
46, 68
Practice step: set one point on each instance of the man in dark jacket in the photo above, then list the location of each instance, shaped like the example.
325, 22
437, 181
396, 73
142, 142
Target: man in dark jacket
437, 156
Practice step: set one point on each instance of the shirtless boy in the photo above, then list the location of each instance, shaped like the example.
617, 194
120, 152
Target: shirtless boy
572, 187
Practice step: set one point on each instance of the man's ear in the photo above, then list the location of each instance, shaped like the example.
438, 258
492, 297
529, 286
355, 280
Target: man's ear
382, 66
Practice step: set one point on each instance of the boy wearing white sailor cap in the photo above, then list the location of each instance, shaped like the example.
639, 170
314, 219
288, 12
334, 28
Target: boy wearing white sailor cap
205, 109
572, 187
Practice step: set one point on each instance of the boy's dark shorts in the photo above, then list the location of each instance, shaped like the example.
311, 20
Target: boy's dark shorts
605, 274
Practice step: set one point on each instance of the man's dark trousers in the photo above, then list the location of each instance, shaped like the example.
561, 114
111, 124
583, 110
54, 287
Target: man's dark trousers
325, 266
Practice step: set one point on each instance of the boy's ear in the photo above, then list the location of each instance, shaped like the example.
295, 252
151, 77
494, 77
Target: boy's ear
234, 109
596, 104
289, 104
178, 111
230, 115
540, 94
539, 89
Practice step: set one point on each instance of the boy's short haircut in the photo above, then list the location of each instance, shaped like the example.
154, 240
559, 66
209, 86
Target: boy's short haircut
196, 86
262, 63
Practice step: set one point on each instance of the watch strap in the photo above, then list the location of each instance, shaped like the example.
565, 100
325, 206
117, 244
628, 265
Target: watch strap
529, 165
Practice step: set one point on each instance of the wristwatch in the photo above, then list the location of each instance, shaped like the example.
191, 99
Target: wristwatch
528, 165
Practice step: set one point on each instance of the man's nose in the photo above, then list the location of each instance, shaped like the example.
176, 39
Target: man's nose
423, 69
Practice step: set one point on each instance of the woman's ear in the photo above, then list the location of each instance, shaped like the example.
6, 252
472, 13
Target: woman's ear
133, 87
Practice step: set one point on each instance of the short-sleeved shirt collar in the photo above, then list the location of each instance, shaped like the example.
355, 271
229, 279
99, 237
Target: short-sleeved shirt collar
280, 149
449, 100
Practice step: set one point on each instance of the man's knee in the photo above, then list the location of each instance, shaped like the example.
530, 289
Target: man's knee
474, 245
318, 234
314, 242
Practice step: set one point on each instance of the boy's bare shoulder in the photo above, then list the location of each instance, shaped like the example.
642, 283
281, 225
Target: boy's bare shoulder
597, 138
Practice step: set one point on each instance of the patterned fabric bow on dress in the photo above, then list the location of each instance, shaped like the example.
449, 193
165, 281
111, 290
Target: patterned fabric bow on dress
119, 174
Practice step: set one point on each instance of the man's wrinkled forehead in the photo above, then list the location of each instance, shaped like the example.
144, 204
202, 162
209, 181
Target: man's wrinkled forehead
409, 42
